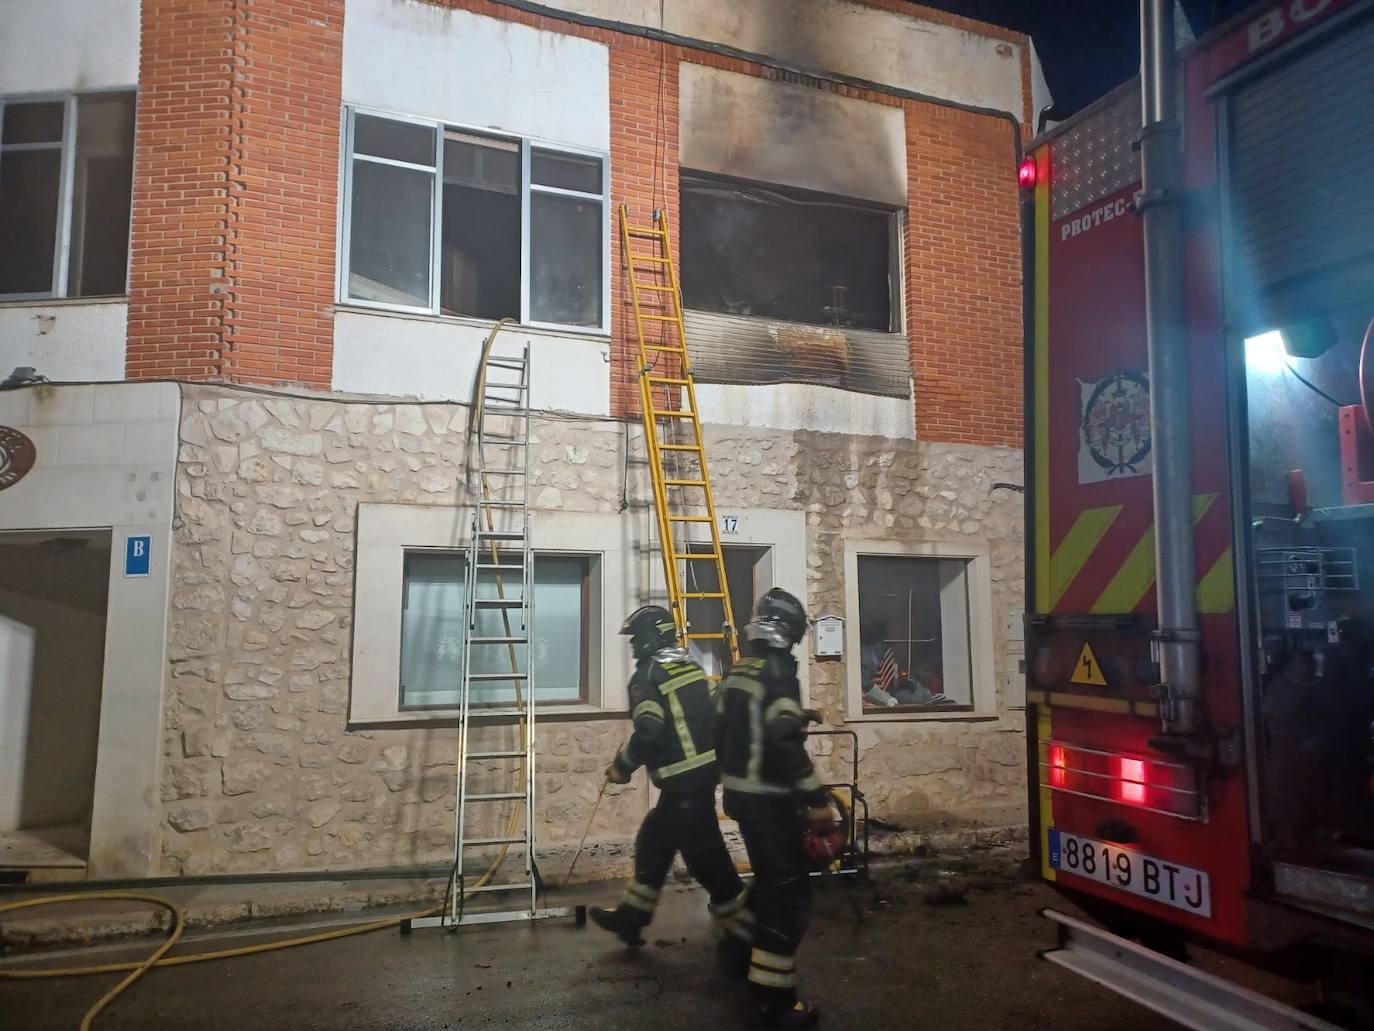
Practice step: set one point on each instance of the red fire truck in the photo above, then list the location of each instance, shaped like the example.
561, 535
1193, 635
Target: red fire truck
1200, 510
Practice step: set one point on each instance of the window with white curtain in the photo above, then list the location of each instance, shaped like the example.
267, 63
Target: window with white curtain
434, 634
450, 221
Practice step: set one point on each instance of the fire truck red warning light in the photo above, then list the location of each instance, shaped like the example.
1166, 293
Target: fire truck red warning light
1027, 174
1130, 782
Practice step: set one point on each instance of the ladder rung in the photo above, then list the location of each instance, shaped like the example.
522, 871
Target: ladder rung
476, 713
679, 447
522, 886
513, 566
659, 413
499, 603
684, 483
503, 472
658, 318
497, 503
502, 535
506, 363
660, 347
702, 594
689, 519
655, 259
477, 842
506, 441
499, 640
667, 381
705, 637
654, 286
495, 796
497, 755
644, 230
487, 678
697, 556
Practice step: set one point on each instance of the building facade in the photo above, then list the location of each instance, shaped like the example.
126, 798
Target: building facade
254, 248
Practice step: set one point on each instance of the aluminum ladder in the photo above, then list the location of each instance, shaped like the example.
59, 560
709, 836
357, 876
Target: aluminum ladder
672, 432
498, 617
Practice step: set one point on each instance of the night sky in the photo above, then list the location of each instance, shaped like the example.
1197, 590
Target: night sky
1086, 46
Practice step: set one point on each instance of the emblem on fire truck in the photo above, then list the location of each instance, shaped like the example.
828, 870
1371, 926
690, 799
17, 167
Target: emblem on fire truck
17, 455
1115, 427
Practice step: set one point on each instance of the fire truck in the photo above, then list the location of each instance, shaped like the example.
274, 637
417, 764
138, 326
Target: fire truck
1200, 513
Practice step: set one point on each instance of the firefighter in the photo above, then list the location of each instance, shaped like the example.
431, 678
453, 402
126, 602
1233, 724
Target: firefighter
773, 792
674, 736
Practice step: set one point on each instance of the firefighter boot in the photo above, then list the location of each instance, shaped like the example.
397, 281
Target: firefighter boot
732, 957
623, 922
799, 1014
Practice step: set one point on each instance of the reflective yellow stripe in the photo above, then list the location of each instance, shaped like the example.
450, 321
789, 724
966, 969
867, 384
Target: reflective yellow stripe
754, 771
752, 787
684, 734
1044, 731
726, 908
686, 765
1093, 703
772, 960
770, 979
1040, 361
1078, 544
642, 890
780, 705
651, 707
1137, 573
635, 902
696, 676
1217, 591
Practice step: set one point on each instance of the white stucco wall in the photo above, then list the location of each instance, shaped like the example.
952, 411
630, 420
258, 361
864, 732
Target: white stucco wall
901, 50
106, 458
436, 359
82, 340
68, 45
803, 406
422, 59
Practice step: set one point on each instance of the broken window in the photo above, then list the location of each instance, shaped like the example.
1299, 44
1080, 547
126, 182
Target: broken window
66, 186
783, 253
434, 631
913, 634
521, 229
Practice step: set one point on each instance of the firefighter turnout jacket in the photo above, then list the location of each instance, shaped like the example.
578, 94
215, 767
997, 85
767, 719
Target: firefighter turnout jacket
674, 724
759, 735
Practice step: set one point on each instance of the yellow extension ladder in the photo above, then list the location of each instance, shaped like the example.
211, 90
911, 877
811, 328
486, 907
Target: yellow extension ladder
672, 429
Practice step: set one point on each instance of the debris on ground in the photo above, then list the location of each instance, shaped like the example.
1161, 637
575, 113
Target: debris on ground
949, 893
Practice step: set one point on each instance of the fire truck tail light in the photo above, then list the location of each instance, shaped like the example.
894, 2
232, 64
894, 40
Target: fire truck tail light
1131, 780
1058, 766
1027, 174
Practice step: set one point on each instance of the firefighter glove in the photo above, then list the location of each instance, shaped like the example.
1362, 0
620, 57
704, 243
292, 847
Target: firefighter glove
615, 775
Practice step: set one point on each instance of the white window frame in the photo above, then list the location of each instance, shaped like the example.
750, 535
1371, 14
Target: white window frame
982, 641
65, 186
590, 633
62, 251
527, 145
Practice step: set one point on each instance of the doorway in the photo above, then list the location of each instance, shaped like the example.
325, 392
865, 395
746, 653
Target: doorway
54, 588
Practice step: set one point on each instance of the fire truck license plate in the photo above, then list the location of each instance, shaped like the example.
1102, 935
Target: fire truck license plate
1179, 886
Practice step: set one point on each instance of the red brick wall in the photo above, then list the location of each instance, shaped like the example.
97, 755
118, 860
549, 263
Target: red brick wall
963, 276
180, 205
236, 190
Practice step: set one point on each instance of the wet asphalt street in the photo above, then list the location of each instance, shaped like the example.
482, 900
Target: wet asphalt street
879, 955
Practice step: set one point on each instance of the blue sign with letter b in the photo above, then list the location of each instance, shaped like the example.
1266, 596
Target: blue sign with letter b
137, 555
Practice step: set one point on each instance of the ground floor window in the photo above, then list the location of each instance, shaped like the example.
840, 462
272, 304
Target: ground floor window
434, 631
914, 633
745, 573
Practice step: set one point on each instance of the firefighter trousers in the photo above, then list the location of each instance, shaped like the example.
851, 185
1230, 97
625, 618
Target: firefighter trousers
686, 824
780, 896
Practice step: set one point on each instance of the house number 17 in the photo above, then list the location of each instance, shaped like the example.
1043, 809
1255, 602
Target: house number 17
729, 524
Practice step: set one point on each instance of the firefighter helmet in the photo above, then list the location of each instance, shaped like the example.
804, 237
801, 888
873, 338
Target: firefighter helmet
649, 628
779, 620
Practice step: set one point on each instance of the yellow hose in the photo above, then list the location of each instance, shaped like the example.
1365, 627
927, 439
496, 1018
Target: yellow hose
159, 957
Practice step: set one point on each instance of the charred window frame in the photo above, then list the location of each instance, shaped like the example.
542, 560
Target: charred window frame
795, 255
499, 226
66, 191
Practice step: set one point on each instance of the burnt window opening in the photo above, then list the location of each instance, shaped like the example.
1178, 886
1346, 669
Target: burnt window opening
480, 242
789, 254
66, 187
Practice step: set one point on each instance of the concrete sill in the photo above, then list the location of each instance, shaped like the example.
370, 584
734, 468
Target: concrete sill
61, 302
924, 717
464, 320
